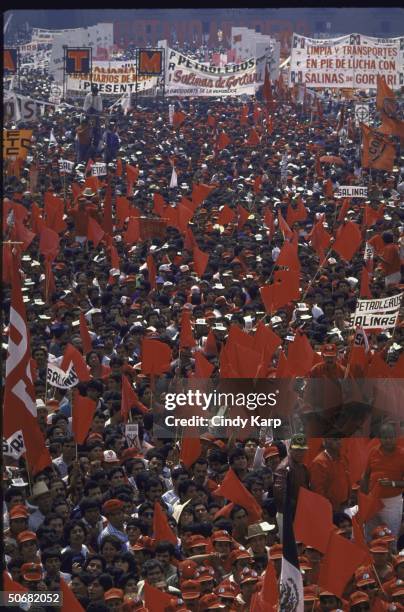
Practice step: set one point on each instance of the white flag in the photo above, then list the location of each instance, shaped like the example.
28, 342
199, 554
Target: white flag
173, 182
52, 138
171, 114
15, 446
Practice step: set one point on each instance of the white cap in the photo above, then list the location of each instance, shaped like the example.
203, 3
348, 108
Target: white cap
110, 457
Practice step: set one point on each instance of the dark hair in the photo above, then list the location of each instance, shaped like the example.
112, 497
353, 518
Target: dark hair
235, 454
105, 581
91, 484
116, 543
150, 565
184, 486
92, 557
51, 553
88, 503
163, 547
129, 558
71, 525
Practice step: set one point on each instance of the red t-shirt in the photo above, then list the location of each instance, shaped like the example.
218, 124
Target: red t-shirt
386, 465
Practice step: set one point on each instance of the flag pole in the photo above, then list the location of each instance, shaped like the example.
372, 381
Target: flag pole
28, 474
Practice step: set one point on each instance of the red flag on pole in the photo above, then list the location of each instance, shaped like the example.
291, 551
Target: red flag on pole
107, 225
317, 531
82, 416
156, 356
70, 603
130, 399
267, 600
95, 233
348, 240
19, 409
191, 450
161, 527
226, 215
156, 600
151, 268
344, 555
72, 355
203, 368
233, 489
200, 261
49, 243
187, 339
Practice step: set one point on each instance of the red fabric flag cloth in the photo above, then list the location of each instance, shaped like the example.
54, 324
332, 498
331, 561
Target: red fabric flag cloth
129, 399
341, 554
119, 168
391, 126
253, 138
356, 451
187, 339
233, 489
267, 89
184, 216
377, 367
369, 506
257, 184
348, 240
54, 211
50, 285
288, 256
365, 291
359, 539
132, 234
93, 182
95, 233
243, 215
300, 355
320, 239
70, 603
49, 243
200, 192
152, 271
37, 222
296, 214
222, 141
200, 261
11, 586
266, 341
384, 93
23, 234
7, 263
132, 174
226, 215
19, 412
284, 290
191, 450
211, 121
269, 222
162, 531
238, 336
156, 600
346, 202
284, 227
178, 119
246, 362
156, 357
210, 346
244, 115
115, 260
378, 150
159, 205
107, 225
203, 368
316, 531
328, 188
72, 355
372, 216
85, 335
83, 413
267, 600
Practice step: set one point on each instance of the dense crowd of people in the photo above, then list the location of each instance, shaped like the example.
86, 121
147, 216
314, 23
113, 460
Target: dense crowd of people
90, 518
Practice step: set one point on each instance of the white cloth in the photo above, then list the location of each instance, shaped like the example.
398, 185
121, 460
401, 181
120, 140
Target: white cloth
392, 279
390, 515
94, 102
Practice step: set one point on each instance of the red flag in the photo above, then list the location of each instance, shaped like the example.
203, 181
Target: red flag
267, 600
184, 217
49, 243
284, 227
178, 119
359, 539
266, 341
23, 234
294, 215
162, 531
288, 256
129, 399
200, 192
341, 554
383, 92
107, 217
300, 355
203, 368
85, 335
119, 168
210, 346
233, 489
257, 184
191, 450
369, 506
82, 416
156, 600
93, 182
267, 89
50, 286
285, 289
269, 222
378, 151
320, 239
244, 115
70, 355
89, 165
95, 233
37, 222
159, 205
243, 215
319, 170
132, 174
11, 585
348, 240
211, 121
365, 291
156, 356
372, 216
54, 211
132, 234
19, 409
151, 268
200, 261
7, 263
344, 208
253, 138
226, 215
186, 338
70, 603
222, 141
315, 532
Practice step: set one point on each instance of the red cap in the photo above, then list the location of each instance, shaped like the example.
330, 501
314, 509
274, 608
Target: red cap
383, 533
31, 572
365, 576
187, 568
221, 536
378, 545
130, 453
18, 511
210, 602
248, 575
239, 553
113, 594
143, 543
204, 573
276, 551
310, 593
358, 597
398, 560
112, 505
227, 588
196, 540
271, 451
329, 350
26, 536
190, 589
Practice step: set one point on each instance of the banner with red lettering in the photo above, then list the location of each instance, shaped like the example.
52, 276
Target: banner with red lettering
351, 61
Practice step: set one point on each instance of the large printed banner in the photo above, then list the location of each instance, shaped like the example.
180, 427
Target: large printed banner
186, 77
16, 143
351, 61
59, 378
377, 314
112, 78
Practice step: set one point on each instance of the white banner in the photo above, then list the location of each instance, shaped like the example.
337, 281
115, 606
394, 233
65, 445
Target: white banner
351, 191
112, 78
14, 446
59, 378
21, 108
351, 61
362, 114
187, 77
377, 314
99, 169
66, 166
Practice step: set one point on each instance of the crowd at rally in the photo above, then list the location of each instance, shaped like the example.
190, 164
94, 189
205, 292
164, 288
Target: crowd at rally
140, 527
